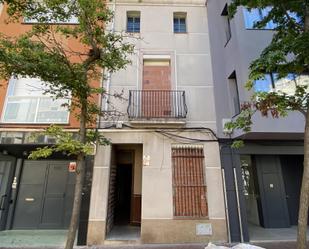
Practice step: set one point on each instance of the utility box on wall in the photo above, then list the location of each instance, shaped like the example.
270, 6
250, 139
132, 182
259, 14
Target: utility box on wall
204, 229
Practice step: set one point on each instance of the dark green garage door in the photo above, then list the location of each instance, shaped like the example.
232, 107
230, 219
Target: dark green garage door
45, 196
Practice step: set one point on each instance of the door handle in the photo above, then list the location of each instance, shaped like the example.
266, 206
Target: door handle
2, 202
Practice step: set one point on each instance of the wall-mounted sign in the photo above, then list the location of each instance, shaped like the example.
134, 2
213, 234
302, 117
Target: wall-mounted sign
72, 167
146, 160
14, 184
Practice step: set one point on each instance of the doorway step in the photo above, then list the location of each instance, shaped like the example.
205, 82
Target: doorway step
123, 234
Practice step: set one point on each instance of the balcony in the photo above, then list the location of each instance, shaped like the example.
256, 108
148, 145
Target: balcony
157, 106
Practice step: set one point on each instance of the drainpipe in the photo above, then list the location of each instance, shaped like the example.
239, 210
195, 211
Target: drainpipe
226, 208
109, 75
238, 205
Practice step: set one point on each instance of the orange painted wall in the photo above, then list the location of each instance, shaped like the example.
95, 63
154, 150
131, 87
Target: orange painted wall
15, 29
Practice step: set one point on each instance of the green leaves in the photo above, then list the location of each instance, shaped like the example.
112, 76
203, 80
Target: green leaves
237, 144
243, 120
41, 153
68, 142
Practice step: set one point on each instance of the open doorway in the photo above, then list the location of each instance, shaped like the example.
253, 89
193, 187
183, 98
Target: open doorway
271, 190
123, 194
124, 200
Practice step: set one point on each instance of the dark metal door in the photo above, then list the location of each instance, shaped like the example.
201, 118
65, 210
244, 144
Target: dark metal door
292, 170
273, 198
45, 195
6, 169
54, 197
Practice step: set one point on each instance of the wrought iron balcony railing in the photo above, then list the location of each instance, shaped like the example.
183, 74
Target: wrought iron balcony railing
152, 104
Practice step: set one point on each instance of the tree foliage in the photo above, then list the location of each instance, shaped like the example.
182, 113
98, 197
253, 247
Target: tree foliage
68, 142
286, 54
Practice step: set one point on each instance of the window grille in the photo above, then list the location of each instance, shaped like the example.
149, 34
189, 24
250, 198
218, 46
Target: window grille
189, 188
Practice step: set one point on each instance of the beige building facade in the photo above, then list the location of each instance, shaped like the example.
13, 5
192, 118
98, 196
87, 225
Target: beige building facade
161, 175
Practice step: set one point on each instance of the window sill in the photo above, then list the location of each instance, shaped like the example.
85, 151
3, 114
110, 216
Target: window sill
35, 124
183, 33
132, 33
190, 218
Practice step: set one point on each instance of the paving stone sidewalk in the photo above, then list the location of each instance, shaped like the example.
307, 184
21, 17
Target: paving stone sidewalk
266, 245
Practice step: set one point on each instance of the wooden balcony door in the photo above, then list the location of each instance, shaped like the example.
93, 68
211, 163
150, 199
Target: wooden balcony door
156, 86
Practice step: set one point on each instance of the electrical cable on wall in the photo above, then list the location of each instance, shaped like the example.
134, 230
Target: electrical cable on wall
167, 132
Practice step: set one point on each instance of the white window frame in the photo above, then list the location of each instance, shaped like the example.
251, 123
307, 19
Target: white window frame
39, 98
180, 15
133, 14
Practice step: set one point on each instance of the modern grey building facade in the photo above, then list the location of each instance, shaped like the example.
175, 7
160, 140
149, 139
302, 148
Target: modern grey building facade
263, 178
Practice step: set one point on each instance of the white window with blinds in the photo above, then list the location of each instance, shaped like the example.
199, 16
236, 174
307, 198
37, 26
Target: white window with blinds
25, 103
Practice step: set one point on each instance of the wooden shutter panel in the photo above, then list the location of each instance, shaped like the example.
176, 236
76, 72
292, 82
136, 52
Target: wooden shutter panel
189, 187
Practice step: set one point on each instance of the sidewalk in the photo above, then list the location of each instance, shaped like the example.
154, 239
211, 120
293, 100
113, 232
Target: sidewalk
268, 245
278, 245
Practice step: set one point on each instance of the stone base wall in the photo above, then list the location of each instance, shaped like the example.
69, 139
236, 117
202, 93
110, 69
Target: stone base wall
96, 233
181, 231
165, 231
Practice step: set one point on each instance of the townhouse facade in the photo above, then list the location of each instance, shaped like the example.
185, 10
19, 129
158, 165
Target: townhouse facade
263, 178
162, 172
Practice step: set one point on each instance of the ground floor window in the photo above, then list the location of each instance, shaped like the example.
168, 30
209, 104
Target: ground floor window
189, 188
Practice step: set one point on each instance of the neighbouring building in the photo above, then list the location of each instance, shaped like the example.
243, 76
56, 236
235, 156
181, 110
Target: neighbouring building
160, 180
35, 195
263, 178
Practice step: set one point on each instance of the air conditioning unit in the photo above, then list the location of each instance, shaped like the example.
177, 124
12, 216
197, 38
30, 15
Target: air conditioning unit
7, 140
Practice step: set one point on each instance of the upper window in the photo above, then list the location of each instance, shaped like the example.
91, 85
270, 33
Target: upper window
180, 25
272, 82
26, 103
256, 15
234, 94
133, 21
227, 24
264, 85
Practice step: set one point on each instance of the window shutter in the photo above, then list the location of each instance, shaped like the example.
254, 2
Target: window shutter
189, 187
